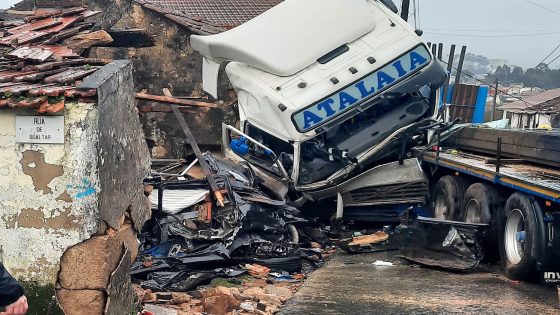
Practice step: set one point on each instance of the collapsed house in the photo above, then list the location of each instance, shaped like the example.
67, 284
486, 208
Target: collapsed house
170, 62
71, 166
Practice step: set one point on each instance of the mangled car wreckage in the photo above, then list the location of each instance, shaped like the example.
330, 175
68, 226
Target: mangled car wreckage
329, 111
189, 239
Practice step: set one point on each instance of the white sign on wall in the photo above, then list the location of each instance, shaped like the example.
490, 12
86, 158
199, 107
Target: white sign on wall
40, 129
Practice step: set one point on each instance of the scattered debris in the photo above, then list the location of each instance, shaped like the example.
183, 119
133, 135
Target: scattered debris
377, 237
382, 263
249, 246
375, 242
441, 243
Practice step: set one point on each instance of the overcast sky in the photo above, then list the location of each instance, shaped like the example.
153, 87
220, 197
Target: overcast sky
517, 30
4, 4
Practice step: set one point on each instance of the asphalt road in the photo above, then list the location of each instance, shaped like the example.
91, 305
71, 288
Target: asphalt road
351, 284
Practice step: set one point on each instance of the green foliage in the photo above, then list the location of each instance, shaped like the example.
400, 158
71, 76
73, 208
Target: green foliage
541, 76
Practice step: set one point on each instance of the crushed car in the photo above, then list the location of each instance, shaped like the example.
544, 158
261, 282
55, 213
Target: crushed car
190, 239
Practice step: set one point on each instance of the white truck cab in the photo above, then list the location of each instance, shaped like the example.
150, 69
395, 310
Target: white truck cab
331, 93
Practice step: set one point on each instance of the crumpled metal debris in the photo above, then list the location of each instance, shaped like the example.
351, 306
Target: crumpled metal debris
188, 242
441, 243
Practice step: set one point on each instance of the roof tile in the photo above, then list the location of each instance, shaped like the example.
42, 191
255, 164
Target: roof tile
215, 15
31, 70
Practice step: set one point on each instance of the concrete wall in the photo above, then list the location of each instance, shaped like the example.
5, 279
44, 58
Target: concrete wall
48, 193
172, 64
69, 213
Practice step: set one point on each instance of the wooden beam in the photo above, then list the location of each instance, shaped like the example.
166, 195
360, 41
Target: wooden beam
174, 100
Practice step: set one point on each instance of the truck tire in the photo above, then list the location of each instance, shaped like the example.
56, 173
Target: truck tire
447, 197
519, 238
481, 204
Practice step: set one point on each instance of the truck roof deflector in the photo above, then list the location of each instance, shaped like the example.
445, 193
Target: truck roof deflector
291, 36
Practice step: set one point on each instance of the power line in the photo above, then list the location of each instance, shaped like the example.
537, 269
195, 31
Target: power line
555, 49
553, 60
490, 30
496, 35
543, 7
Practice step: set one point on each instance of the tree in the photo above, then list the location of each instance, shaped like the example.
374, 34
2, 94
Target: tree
516, 74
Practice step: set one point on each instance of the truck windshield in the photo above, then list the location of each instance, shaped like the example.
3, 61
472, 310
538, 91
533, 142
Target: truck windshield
339, 145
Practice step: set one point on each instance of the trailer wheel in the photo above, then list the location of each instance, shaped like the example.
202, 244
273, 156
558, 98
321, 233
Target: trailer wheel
481, 205
518, 237
481, 201
447, 196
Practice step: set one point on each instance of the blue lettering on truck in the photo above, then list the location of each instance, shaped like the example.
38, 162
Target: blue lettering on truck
362, 90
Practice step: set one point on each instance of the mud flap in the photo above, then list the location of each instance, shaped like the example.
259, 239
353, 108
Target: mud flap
441, 243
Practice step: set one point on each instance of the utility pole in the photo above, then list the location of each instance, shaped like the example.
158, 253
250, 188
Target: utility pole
460, 66
405, 9
449, 70
440, 51
494, 101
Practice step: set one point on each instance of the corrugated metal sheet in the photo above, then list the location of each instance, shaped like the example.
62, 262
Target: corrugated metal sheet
31, 53
22, 38
35, 26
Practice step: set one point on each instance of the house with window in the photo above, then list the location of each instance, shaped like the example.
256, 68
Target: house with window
534, 111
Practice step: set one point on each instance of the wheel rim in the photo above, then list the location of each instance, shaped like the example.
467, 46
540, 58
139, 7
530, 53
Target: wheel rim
515, 236
473, 212
441, 208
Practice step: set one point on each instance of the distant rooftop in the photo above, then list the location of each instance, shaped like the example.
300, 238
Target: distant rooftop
547, 101
209, 16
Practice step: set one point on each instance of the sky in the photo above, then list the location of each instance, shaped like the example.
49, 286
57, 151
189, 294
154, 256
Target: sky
4, 4
521, 31
517, 30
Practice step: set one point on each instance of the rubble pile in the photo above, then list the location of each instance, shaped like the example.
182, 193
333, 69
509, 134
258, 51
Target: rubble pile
248, 241
262, 293
40, 62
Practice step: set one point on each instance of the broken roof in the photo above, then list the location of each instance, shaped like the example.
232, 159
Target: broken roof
547, 101
36, 69
209, 16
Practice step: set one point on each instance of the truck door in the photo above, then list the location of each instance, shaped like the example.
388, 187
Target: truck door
271, 157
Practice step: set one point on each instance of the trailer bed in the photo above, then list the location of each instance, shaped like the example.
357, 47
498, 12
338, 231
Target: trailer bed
533, 179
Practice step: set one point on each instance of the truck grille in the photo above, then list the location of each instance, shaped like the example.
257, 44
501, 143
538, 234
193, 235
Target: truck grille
391, 194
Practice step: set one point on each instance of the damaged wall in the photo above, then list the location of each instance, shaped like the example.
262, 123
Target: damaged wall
170, 63
69, 213
87, 269
48, 193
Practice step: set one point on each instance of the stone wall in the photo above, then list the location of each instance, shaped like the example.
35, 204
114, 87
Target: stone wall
172, 64
69, 213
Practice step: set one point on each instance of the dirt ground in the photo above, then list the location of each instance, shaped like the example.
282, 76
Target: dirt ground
351, 284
